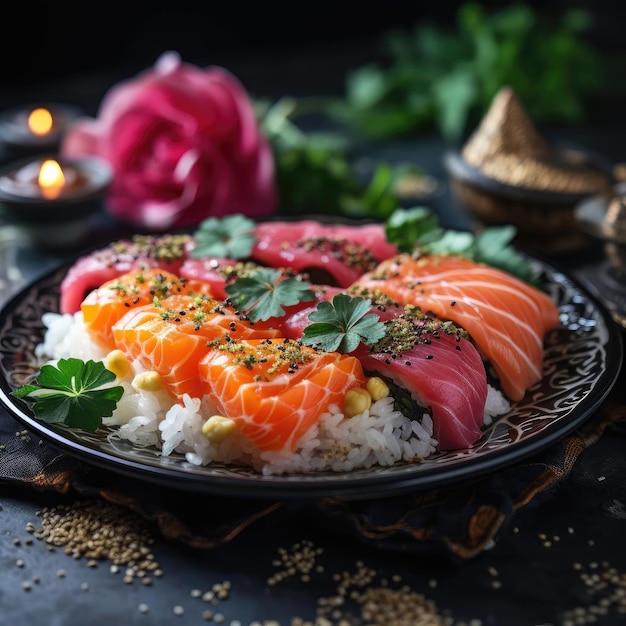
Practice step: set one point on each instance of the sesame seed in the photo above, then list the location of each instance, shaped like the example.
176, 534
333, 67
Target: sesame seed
98, 531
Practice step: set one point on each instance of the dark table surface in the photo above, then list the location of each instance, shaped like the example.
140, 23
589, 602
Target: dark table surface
539, 571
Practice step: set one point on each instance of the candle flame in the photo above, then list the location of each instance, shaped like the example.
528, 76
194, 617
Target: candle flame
40, 121
51, 179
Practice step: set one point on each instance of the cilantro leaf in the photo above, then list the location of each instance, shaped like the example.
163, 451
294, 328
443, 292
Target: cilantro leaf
406, 227
230, 237
418, 229
74, 392
342, 325
264, 292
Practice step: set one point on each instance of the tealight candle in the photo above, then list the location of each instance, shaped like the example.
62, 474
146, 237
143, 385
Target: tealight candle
53, 198
36, 129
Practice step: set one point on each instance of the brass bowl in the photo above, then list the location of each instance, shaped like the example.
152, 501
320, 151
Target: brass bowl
507, 173
544, 217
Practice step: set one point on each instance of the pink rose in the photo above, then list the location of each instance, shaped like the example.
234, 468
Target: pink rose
184, 145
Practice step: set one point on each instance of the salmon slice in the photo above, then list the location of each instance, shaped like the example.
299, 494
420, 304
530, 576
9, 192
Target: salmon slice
275, 390
171, 337
108, 303
505, 317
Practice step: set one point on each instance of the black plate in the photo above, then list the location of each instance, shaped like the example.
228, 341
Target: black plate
582, 362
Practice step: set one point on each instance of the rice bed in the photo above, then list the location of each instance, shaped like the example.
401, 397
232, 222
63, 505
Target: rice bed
380, 435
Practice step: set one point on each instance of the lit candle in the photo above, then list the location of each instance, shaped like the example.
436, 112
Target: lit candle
36, 129
53, 198
40, 121
51, 179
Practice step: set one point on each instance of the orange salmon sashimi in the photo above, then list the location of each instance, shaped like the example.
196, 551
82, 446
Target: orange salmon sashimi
276, 390
105, 305
170, 338
506, 317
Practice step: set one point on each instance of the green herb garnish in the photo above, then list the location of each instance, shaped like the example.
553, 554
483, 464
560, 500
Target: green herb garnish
73, 392
406, 227
342, 325
230, 237
264, 292
418, 229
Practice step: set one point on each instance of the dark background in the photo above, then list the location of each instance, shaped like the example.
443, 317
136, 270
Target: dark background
56, 50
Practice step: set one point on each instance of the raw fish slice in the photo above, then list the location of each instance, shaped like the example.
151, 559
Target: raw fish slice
204, 315
276, 390
506, 318
328, 254
89, 272
144, 336
172, 337
436, 362
218, 273
108, 303
292, 325
369, 235
440, 368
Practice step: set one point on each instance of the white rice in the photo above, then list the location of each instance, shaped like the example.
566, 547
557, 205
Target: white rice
380, 435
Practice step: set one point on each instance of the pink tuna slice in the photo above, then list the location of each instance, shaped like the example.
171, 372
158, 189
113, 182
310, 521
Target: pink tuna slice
92, 270
293, 326
297, 318
436, 361
330, 254
215, 271
442, 369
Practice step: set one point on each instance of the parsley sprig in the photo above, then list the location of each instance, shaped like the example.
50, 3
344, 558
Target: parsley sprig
72, 392
264, 293
229, 237
341, 325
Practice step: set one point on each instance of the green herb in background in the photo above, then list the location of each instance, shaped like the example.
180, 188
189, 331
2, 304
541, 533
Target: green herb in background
437, 80
314, 170
445, 79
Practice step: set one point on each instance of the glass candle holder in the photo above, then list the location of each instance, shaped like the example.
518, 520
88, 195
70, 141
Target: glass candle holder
34, 129
52, 199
